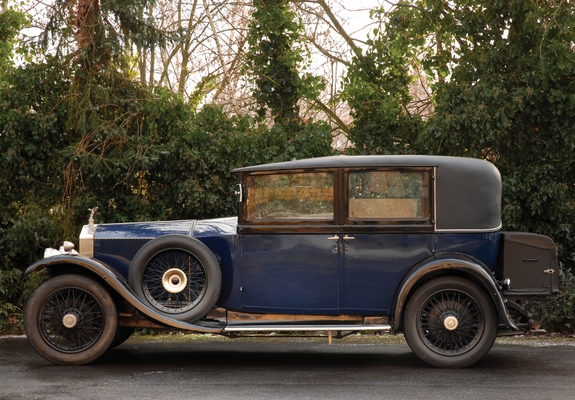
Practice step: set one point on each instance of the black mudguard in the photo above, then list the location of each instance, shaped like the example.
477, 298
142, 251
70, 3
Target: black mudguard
118, 283
466, 267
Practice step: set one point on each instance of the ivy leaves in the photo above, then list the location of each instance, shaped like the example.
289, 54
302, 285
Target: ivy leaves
376, 88
275, 58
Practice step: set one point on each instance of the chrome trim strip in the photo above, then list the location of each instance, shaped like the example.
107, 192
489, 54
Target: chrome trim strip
305, 328
146, 222
192, 225
490, 230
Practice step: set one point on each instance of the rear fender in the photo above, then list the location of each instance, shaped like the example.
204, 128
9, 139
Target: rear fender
117, 283
462, 267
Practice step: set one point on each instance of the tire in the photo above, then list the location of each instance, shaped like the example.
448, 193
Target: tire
450, 323
195, 269
122, 334
70, 319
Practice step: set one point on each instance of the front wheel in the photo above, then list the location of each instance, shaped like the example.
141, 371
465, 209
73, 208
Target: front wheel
450, 323
70, 319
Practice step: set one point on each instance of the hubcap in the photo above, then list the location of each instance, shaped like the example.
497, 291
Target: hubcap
69, 320
450, 323
174, 280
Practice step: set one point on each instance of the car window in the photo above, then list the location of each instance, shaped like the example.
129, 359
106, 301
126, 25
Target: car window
388, 195
300, 196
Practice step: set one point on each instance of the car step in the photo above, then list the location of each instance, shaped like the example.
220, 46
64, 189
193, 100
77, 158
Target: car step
306, 328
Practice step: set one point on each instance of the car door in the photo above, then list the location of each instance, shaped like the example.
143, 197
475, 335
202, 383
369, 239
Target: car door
290, 255
388, 228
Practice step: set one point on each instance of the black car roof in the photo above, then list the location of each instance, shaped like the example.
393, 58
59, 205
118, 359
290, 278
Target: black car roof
468, 190
363, 161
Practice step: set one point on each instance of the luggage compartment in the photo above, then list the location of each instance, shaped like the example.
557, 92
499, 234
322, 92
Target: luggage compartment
530, 262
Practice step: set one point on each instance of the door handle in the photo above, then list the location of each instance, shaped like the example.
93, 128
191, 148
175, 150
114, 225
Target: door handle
334, 237
348, 237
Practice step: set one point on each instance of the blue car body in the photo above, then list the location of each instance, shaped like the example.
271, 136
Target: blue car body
335, 243
299, 273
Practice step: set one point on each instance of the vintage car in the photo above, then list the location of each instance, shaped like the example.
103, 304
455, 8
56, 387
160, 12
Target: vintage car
331, 245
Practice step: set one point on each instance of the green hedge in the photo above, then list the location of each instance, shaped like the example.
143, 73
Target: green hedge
139, 154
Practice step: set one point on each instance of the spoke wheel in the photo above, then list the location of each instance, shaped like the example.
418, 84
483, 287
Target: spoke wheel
167, 296
177, 276
450, 322
70, 319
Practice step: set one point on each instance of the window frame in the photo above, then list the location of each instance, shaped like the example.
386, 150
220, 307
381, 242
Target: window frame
424, 223
340, 223
290, 225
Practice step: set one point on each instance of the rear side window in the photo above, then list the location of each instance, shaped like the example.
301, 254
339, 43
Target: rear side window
394, 195
297, 196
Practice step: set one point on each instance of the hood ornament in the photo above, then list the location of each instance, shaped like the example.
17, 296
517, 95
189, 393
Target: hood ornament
92, 213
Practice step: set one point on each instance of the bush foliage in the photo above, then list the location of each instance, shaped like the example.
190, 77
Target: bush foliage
557, 314
77, 131
156, 158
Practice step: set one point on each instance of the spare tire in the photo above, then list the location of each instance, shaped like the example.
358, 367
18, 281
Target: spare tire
176, 275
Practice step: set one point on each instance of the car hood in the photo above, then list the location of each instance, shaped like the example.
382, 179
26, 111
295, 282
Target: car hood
153, 229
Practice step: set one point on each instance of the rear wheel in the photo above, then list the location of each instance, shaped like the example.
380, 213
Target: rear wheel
122, 334
70, 319
450, 323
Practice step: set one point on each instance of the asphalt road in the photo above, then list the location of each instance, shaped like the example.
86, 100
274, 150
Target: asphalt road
194, 367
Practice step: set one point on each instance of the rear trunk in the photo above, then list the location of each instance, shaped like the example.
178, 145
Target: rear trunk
529, 261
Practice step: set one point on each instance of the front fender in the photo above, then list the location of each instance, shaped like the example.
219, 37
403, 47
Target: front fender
119, 284
467, 267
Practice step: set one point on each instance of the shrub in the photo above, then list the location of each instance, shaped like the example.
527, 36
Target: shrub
557, 314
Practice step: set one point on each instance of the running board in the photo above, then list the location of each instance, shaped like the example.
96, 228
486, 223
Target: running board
305, 328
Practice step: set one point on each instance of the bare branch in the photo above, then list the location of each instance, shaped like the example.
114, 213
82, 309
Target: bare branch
332, 115
339, 28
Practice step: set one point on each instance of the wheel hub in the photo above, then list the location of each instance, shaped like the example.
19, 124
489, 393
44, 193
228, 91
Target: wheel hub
70, 320
450, 323
174, 280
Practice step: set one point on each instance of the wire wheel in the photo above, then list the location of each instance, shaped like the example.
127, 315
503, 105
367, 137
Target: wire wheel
177, 276
157, 292
450, 322
455, 307
71, 320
